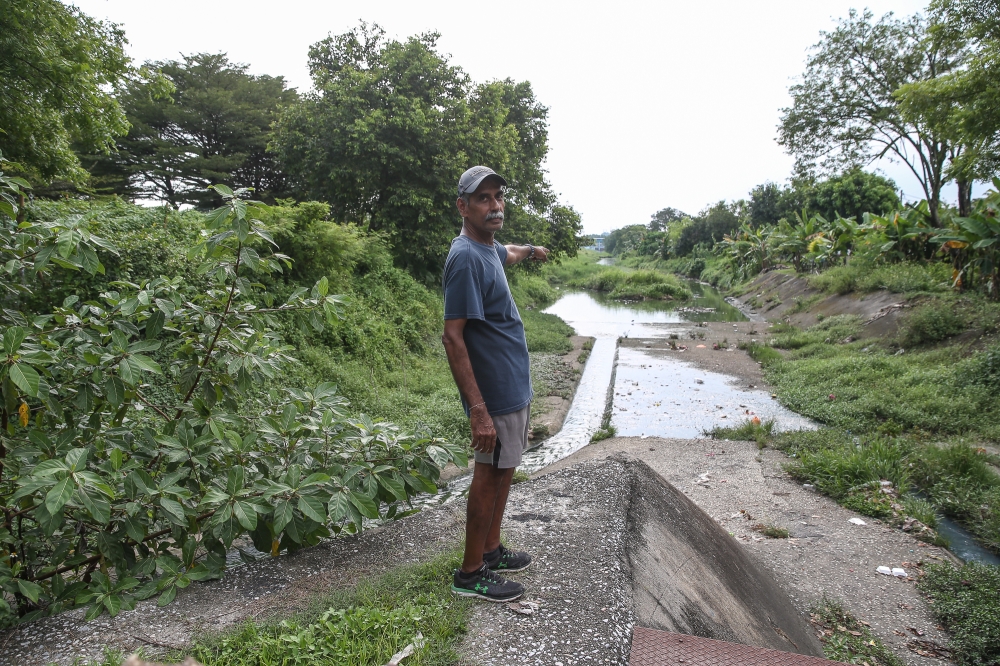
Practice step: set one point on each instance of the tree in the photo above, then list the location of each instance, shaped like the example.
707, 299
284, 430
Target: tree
708, 228
964, 104
390, 128
625, 239
844, 112
213, 129
766, 205
661, 219
59, 71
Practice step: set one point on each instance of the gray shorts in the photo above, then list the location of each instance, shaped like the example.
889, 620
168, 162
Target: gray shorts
512, 440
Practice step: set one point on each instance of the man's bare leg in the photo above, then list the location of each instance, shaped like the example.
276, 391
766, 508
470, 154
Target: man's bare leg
493, 536
482, 511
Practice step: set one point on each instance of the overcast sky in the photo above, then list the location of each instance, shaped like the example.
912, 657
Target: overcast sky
652, 104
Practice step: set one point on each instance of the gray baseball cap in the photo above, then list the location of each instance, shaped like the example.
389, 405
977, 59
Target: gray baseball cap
471, 179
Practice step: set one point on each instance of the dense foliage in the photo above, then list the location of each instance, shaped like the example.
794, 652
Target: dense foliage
399, 124
137, 443
59, 70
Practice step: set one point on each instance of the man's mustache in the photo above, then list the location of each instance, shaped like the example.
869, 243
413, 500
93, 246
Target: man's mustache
495, 215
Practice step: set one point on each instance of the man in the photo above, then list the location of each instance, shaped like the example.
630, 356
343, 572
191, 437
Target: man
488, 355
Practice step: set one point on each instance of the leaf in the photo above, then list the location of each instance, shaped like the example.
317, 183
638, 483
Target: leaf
395, 487
283, 515
25, 377
29, 589
246, 514
145, 363
60, 493
174, 511
114, 391
338, 506
312, 507
167, 596
365, 505
128, 371
155, 324
12, 339
135, 529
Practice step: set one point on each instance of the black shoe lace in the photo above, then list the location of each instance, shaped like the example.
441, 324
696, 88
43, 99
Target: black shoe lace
491, 577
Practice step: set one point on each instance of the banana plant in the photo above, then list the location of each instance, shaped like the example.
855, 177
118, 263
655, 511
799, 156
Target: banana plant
973, 242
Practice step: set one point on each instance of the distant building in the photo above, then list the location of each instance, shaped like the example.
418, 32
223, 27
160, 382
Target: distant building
597, 242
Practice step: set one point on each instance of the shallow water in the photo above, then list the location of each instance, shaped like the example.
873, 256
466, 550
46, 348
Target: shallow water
657, 395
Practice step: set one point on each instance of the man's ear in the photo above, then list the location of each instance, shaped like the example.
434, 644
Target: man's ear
460, 202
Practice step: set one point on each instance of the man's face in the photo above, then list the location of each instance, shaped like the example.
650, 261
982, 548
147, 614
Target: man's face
484, 212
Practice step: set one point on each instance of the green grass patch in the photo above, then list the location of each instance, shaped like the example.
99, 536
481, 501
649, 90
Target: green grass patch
901, 278
966, 602
546, 333
846, 639
831, 330
360, 626
635, 284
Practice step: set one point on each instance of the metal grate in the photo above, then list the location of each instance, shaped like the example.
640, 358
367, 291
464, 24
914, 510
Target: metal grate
651, 647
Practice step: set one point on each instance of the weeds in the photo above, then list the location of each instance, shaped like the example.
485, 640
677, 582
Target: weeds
846, 639
606, 432
965, 601
771, 531
749, 430
930, 323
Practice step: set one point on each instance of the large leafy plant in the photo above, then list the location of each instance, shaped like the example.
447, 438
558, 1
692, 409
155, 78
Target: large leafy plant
139, 440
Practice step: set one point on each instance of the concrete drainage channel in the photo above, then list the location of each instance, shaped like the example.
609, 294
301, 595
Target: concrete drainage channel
617, 547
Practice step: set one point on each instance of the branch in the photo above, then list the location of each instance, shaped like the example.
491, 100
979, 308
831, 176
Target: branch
218, 332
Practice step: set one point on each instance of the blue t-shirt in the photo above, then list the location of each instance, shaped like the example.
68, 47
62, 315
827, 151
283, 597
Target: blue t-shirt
475, 288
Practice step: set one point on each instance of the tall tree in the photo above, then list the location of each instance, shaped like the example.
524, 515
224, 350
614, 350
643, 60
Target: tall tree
661, 219
964, 104
59, 71
389, 129
213, 129
844, 112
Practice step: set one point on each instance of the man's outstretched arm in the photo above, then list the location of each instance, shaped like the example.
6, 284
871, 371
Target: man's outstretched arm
518, 253
484, 436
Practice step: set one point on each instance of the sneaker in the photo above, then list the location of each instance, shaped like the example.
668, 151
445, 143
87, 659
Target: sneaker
506, 560
485, 584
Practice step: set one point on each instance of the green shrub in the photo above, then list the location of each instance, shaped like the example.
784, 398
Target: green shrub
125, 493
635, 284
967, 603
930, 323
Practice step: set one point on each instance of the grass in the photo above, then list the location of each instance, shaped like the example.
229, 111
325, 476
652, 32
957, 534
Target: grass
626, 281
745, 431
847, 639
965, 601
635, 284
363, 625
901, 278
